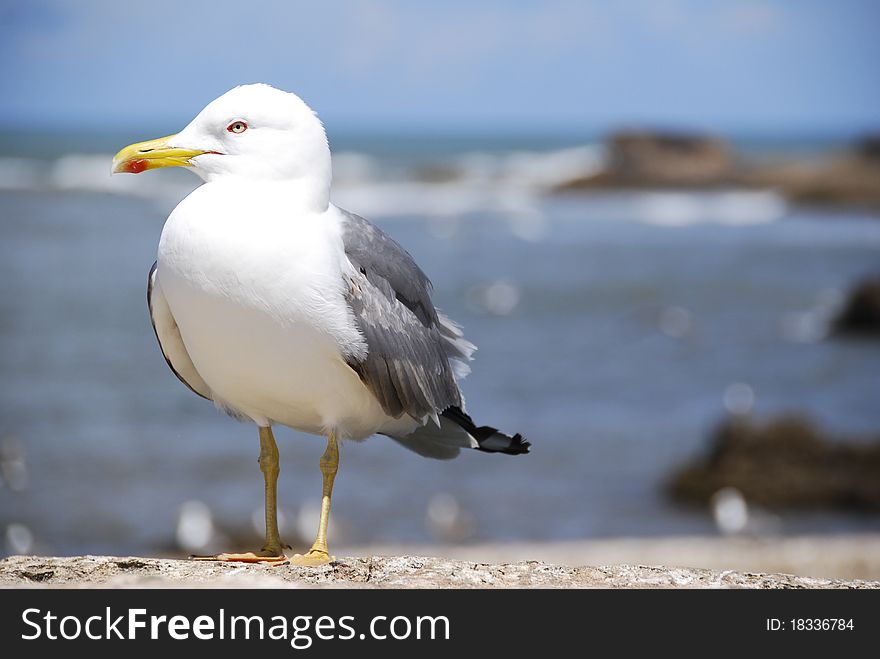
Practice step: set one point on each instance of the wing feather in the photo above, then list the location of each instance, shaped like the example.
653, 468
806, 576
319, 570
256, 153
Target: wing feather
409, 344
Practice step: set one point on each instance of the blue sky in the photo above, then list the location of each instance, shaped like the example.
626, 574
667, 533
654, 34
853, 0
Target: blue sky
750, 65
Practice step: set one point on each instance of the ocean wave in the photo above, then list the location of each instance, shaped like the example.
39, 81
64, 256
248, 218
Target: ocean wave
90, 173
406, 198
21, 173
513, 184
541, 169
729, 207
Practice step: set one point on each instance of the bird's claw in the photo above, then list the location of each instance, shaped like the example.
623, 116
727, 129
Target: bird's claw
269, 558
314, 558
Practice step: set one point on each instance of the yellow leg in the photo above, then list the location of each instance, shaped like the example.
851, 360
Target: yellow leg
273, 550
269, 467
318, 554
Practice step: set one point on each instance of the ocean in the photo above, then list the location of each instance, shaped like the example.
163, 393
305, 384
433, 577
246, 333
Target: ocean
615, 330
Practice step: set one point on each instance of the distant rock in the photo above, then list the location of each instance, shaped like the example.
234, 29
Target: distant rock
848, 179
786, 462
861, 311
672, 160
868, 148
659, 159
437, 174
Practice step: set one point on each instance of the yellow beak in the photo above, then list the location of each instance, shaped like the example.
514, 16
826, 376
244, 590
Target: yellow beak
137, 158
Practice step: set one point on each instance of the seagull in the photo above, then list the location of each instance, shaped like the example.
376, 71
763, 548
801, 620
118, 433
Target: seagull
283, 309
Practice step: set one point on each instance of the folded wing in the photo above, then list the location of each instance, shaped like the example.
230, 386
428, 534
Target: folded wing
170, 342
414, 352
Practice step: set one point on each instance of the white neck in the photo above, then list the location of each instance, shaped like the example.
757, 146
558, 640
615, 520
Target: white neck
307, 192
299, 195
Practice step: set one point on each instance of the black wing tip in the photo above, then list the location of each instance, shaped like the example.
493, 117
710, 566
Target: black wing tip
516, 445
490, 440
519, 445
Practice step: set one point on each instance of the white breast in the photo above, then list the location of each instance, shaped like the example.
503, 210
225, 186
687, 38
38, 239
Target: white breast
257, 293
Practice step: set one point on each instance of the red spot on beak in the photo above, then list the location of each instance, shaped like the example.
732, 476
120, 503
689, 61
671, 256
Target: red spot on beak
135, 166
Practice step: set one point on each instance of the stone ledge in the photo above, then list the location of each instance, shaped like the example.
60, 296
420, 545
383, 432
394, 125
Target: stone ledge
378, 572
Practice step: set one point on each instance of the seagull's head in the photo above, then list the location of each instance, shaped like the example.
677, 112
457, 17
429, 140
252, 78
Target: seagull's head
252, 131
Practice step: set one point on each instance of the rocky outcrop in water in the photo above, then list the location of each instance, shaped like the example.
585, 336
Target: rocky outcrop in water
646, 159
692, 161
849, 179
787, 462
860, 315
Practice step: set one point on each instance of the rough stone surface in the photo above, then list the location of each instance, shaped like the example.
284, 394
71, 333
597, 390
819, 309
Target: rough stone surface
844, 556
377, 572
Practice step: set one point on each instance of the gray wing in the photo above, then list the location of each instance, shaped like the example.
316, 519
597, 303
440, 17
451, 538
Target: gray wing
170, 341
413, 351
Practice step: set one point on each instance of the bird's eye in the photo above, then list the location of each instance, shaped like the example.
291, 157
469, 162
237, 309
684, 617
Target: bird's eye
237, 127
